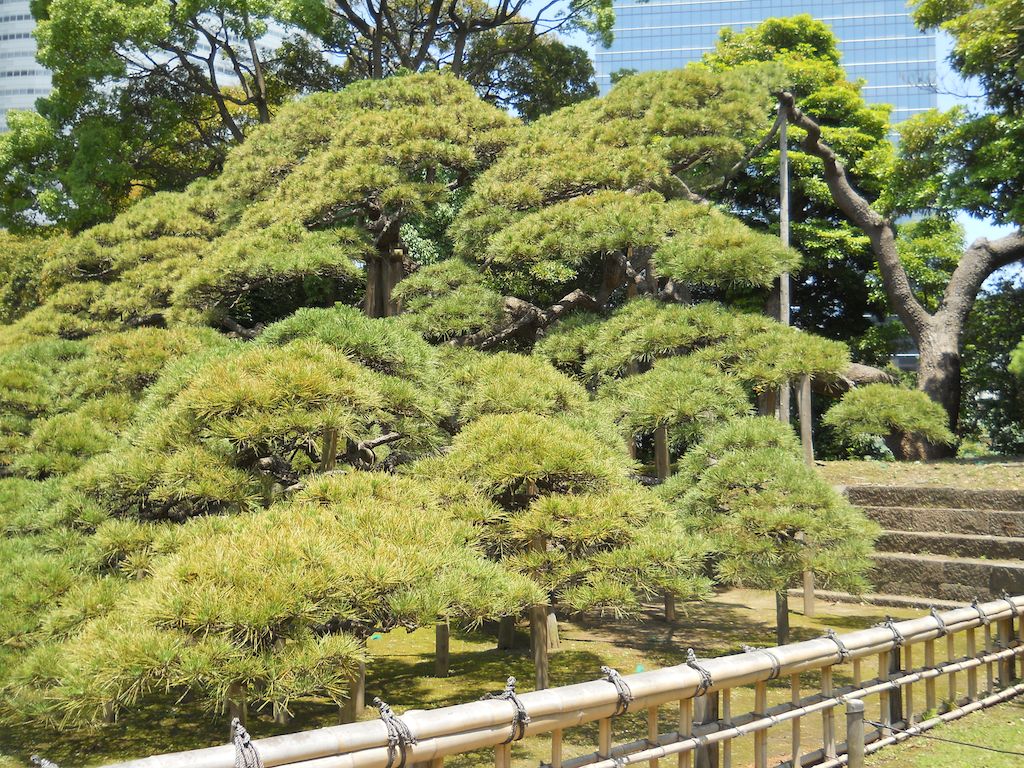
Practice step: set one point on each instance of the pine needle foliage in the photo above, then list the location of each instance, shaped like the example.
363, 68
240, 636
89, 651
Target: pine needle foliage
747, 489
878, 410
448, 300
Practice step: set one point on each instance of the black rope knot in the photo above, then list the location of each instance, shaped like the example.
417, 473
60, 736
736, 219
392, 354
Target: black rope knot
246, 755
940, 622
844, 652
520, 718
1005, 597
897, 636
985, 620
621, 688
399, 735
705, 676
776, 664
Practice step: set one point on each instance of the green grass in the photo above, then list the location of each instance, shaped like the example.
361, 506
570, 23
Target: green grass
1001, 726
988, 474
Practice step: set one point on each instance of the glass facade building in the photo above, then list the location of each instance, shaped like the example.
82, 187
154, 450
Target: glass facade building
878, 40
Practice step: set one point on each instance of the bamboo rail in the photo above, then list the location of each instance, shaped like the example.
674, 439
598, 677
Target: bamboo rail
702, 737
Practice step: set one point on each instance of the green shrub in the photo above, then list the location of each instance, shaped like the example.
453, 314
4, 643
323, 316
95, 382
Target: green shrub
883, 410
1017, 360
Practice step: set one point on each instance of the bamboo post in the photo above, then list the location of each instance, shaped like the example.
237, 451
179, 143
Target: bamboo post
1007, 667
281, 716
972, 673
896, 697
950, 655
727, 722
329, 452
442, 649
604, 738
761, 736
686, 731
931, 701
796, 753
662, 461
855, 733
238, 707
784, 296
809, 610
828, 716
652, 733
109, 713
554, 641
908, 665
556, 749
539, 634
705, 712
503, 756
884, 697
989, 666
858, 678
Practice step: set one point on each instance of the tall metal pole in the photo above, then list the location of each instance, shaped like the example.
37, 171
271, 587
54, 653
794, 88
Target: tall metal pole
784, 394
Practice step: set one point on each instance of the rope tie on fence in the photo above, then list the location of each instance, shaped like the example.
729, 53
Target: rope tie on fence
1005, 597
844, 652
897, 636
520, 718
621, 688
705, 676
399, 735
246, 755
42, 762
976, 605
943, 631
776, 664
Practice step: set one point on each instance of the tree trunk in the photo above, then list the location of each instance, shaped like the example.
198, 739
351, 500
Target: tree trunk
539, 642
781, 617
356, 701
938, 376
442, 650
506, 633
670, 607
281, 716
109, 714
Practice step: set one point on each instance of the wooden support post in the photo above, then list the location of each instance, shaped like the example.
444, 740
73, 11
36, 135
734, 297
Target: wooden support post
442, 649
858, 678
109, 713
329, 450
989, 666
855, 733
670, 607
554, 641
652, 734
806, 418
356, 701
237, 706
809, 610
896, 697
503, 756
884, 697
931, 699
685, 730
796, 752
782, 617
705, 712
761, 736
662, 461
828, 716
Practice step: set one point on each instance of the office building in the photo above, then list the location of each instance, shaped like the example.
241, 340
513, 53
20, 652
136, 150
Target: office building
878, 40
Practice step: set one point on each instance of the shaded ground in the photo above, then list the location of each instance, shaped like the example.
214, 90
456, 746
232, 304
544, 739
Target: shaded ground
1000, 473
401, 674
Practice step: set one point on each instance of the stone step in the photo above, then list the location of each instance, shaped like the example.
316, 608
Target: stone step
942, 577
948, 498
981, 522
878, 598
955, 544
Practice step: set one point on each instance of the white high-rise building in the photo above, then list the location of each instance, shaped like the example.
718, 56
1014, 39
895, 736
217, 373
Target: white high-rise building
23, 79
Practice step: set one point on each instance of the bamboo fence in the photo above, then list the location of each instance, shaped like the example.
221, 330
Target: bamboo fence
969, 653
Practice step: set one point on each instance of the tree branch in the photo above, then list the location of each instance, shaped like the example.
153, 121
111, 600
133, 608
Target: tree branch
525, 315
981, 259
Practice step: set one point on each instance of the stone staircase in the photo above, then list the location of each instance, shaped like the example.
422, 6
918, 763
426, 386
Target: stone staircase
945, 543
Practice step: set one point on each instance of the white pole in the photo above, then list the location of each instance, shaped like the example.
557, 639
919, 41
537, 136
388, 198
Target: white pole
784, 301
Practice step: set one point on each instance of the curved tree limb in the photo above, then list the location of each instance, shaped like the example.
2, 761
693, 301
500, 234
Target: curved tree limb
523, 316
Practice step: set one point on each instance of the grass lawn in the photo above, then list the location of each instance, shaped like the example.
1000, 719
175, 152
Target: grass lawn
989, 474
401, 674
1001, 727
